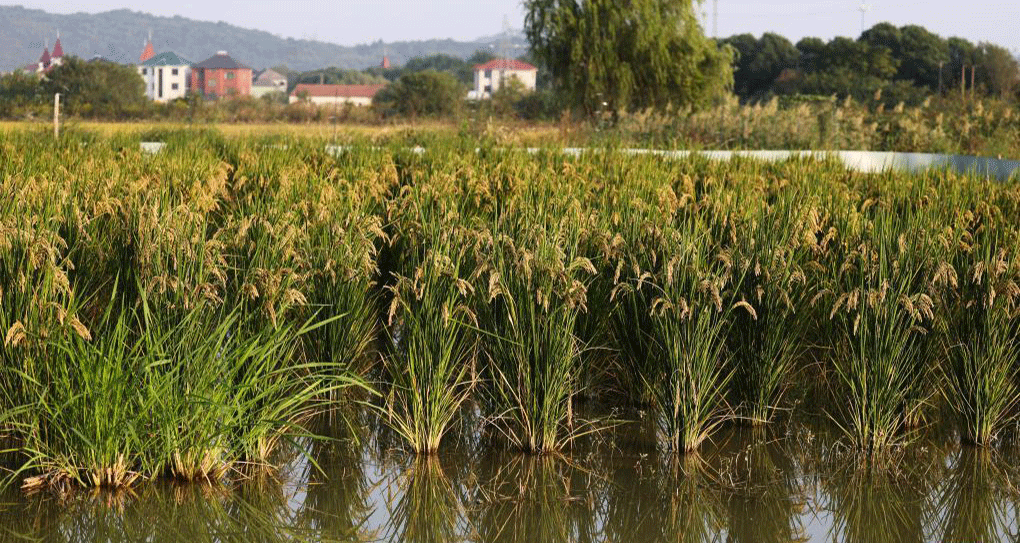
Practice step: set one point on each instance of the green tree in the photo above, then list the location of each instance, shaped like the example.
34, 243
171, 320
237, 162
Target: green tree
427, 93
97, 89
961, 53
626, 54
509, 94
335, 76
997, 69
920, 55
18, 92
759, 62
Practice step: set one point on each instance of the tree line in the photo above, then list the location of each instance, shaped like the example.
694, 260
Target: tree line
906, 63
600, 58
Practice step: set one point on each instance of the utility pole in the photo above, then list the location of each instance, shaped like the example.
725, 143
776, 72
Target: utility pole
941, 64
973, 68
715, 19
963, 81
56, 116
864, 12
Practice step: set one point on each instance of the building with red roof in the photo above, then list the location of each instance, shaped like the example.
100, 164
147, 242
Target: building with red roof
148, 51
48, 61
326, 95
493, 75
58, 50
220, 76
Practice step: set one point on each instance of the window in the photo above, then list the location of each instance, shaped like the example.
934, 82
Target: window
488, 74
174, 86
212, 82
173, 71
145, 71
230, 75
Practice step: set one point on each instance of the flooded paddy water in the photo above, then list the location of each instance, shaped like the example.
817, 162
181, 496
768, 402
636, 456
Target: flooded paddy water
790, 482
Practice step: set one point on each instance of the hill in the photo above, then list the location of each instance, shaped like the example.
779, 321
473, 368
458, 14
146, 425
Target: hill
119, 36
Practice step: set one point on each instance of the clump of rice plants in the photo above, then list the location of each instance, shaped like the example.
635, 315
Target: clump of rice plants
528, 320
431, 348
691, 320
980, 374
193, 399
878, 357
764, 337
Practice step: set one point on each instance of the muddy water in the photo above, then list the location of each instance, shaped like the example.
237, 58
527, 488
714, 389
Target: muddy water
791, 483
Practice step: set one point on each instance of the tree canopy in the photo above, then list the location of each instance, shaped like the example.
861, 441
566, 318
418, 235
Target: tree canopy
98, 88
907, 63
425, 93
620, 55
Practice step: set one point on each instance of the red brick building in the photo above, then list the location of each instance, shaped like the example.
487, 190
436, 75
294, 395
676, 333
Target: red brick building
220, 76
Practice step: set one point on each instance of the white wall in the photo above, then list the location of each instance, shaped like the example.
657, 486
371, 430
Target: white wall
258, 91
495, 80
150, 75
336, 100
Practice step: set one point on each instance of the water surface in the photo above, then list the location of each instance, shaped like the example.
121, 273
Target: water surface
793, 482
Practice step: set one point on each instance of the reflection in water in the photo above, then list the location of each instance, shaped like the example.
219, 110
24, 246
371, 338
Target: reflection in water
696, 512
747, 486
527, 498
428, 510
971, 504
336, 504
875, 504
765, 498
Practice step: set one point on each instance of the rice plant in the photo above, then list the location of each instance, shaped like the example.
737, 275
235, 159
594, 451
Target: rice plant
980, 376
431, 349
529, 320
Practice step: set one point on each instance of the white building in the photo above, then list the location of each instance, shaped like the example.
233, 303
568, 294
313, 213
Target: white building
493, 75
268, 81
167, 77
330, 95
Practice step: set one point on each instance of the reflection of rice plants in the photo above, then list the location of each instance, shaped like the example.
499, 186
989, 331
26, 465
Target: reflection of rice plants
876, 505
972, 503
534, 499
428, 510
762, 493
695, 510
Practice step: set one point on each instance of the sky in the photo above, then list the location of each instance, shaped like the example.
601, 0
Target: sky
350, 22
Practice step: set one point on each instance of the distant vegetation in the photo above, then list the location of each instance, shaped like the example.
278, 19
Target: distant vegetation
893, 88
906, 64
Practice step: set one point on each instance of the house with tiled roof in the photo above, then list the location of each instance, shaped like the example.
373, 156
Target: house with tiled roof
48, 61
493, 75
167, 76
335, 95
220, 76
268, 81
148, 51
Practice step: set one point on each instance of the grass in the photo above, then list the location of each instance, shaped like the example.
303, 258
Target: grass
229, 288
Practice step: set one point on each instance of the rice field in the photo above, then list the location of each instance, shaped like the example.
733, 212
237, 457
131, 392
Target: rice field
185, 315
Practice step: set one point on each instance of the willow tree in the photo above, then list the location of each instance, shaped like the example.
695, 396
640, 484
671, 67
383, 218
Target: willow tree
621, 55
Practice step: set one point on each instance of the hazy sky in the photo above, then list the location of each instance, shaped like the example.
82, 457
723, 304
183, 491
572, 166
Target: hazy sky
351, 22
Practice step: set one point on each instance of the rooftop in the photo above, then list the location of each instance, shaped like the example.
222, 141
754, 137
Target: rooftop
221, 61
506, 64
147, 52
168, 58
268, 78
